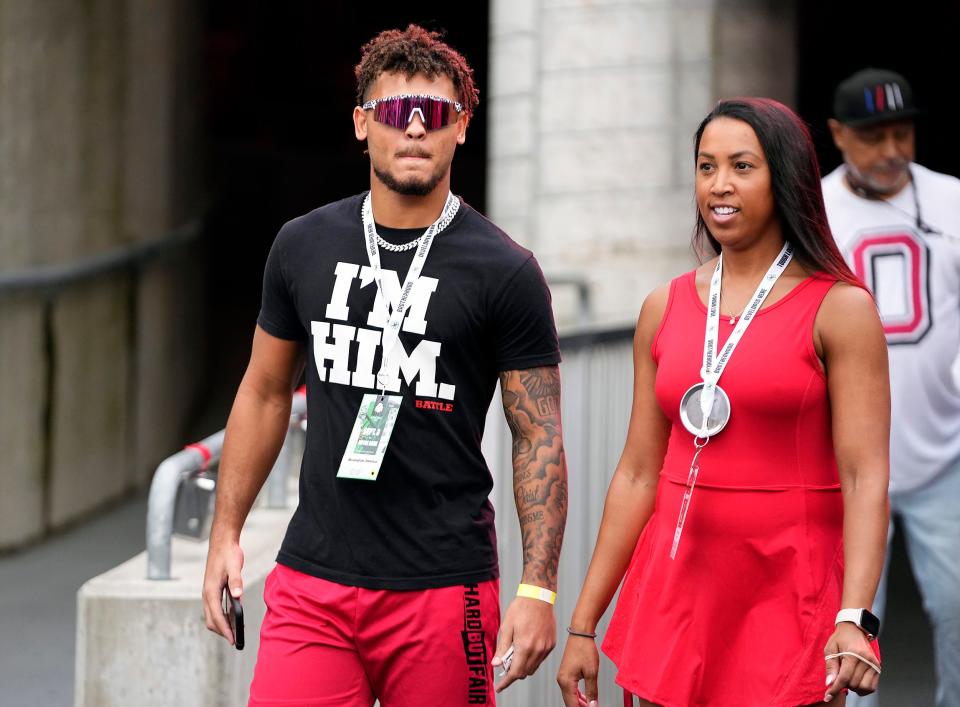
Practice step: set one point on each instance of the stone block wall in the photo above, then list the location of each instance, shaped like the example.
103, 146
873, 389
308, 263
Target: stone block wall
593, 108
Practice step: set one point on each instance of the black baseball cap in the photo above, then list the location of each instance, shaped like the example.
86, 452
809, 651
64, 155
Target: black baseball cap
873, 96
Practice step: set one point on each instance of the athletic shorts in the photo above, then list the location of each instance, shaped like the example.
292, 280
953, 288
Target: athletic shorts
324, 643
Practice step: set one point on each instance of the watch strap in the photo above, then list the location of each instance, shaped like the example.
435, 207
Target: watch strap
862, 618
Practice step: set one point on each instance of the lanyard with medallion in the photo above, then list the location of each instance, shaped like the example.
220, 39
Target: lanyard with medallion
374, 422
705, 407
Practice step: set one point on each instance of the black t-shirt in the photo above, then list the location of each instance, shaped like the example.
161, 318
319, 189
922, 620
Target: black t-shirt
480, 306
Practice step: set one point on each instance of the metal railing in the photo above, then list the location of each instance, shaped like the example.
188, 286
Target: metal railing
47, 280
582, 286
597, 379
197, 458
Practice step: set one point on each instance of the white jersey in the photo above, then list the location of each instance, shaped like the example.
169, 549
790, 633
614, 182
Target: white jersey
915, 277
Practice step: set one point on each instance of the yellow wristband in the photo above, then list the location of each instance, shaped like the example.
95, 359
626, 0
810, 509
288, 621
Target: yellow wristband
532, 592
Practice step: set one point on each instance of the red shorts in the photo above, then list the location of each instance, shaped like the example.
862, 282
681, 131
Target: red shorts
324, 643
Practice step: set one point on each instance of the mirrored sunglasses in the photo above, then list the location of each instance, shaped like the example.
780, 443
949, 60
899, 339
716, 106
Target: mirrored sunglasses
398, 111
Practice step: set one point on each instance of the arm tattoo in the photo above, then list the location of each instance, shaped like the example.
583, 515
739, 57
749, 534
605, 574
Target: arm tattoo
531, 404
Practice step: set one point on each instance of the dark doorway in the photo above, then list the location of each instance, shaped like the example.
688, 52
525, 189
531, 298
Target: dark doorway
914, 39
278, 100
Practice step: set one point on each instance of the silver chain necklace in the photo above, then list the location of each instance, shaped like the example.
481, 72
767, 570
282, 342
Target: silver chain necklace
386, 245
410, 245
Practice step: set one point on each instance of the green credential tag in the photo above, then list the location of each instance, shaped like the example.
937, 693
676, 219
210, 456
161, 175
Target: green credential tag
370, 436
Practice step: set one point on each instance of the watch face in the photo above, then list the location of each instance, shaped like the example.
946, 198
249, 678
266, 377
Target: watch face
870, 623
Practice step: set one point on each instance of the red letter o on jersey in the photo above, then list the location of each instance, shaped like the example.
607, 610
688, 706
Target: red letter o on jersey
895, 266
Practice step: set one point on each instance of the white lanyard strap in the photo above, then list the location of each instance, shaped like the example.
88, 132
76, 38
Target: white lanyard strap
391, 332
711, 372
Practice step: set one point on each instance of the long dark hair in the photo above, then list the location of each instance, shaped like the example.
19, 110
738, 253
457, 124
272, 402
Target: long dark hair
795, 180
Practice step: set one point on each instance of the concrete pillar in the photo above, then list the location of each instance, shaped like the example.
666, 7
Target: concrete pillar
23, 378
60, 92
593, 106
162, 191
90, 421
98, 126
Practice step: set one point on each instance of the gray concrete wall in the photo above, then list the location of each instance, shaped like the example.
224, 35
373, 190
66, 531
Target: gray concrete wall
98, 135
21, 439
25, 52
90, 424
592, 109
163, 189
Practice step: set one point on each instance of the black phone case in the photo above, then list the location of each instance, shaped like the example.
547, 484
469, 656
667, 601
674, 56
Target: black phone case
236, 622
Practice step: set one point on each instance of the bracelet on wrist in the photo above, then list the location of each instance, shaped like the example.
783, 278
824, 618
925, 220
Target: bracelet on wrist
533, 592
582, 634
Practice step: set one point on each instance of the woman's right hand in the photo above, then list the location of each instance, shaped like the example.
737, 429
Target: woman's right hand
581, 661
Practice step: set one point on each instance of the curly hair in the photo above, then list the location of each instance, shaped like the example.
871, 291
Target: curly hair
415, 50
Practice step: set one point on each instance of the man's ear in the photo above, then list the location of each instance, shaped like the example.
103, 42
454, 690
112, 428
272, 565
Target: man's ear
462, 125
360, 123
837, 132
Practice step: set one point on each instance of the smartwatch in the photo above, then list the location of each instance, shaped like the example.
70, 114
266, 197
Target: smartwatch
867, 622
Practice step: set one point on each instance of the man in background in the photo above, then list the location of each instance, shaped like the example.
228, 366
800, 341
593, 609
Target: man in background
898, 224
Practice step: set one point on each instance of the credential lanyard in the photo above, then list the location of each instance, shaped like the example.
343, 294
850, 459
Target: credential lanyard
391, 332
711, 372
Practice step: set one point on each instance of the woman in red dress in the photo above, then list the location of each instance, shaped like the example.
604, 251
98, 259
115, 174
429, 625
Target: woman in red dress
740, 538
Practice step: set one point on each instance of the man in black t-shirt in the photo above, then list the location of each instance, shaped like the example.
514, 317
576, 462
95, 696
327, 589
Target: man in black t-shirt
402, 306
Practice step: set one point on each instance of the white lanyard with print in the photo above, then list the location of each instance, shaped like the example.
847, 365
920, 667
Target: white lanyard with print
705, 407
375, 421
391, 332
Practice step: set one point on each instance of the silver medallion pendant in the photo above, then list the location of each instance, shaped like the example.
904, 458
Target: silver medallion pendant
692, 416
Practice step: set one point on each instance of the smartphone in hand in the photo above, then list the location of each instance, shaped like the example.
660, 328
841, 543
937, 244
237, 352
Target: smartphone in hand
233, 610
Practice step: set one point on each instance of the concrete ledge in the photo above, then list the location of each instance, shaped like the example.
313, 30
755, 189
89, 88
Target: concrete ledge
142, 642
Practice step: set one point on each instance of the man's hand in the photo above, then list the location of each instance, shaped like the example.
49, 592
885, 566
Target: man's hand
224, 563
530, 627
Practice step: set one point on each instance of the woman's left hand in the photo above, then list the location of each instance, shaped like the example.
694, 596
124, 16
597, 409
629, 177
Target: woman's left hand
847, 671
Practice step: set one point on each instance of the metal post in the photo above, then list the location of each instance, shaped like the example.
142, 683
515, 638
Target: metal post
169, 475
163, 496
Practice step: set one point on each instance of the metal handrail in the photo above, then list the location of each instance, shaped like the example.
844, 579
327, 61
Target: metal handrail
582, 286
197, 457
49, 279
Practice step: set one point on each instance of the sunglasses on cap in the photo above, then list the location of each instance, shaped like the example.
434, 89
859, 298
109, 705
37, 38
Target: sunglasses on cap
398, 111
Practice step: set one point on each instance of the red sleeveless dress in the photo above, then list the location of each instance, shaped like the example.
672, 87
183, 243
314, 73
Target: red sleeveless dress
741, 616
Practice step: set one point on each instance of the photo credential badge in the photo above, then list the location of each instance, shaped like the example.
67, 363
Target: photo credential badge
370, 437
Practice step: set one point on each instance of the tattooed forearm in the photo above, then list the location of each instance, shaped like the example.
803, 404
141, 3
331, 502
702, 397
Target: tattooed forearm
521, 443
531, 403
547, 406
531, 517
